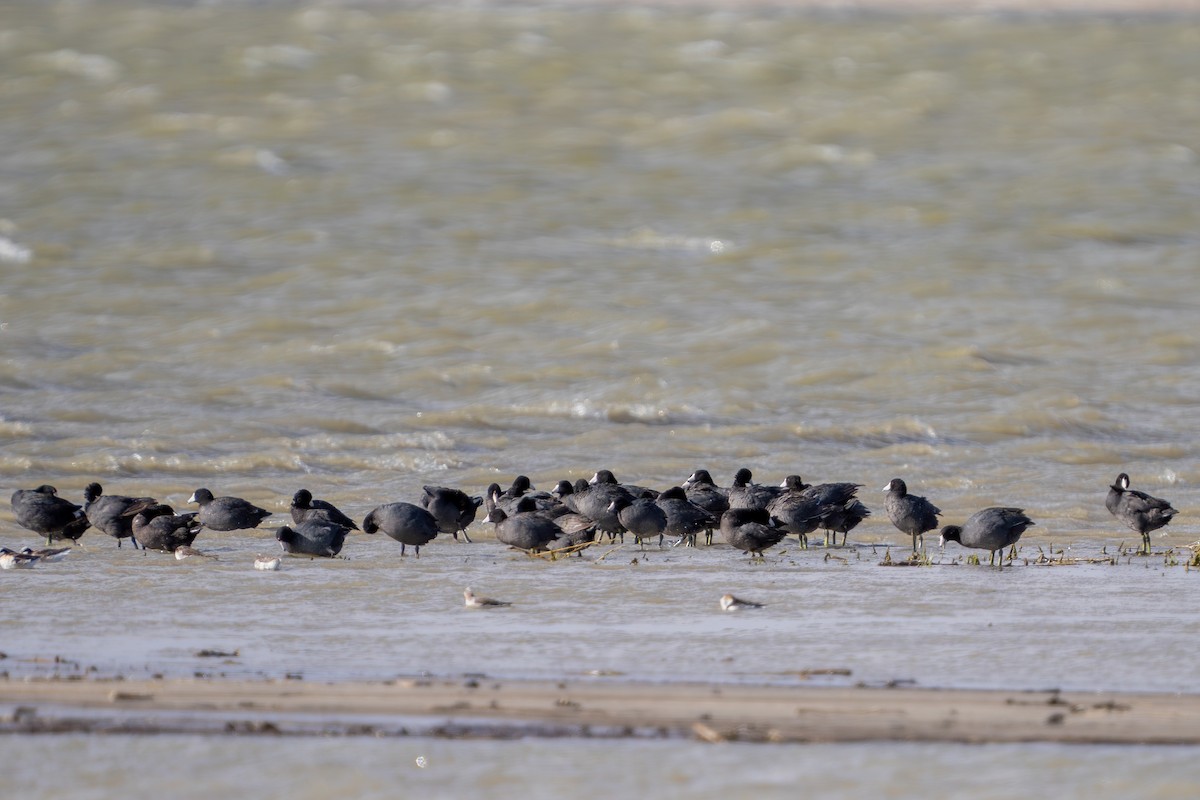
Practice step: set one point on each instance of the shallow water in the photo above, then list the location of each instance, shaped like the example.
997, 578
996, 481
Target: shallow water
200, 766
363, 249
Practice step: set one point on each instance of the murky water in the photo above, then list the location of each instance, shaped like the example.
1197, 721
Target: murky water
197, 767
256, 247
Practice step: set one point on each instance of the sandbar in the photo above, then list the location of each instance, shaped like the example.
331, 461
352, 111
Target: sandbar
483, 707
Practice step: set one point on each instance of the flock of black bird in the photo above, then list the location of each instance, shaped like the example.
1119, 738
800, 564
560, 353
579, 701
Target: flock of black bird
751, 517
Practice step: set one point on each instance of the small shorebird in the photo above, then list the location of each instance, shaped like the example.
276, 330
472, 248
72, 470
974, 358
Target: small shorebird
47, 554
731, 603
183, 551
267, 563
13, 560
473, 601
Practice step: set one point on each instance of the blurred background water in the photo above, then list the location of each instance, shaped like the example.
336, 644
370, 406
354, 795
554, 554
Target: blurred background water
361, 248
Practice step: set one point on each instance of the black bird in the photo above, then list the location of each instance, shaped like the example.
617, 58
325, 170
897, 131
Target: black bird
1137, 509
841, 510
643, 517
702, 491
41, 510
845, 520
521, 488
453, 509
606, 476
744, 493
989, 529
685, 519
314, 536
406, 523
305, 507
750, 530
160, 528
526, 529
797, 510
910, 513
227, 513
576, 530
594, 501
113, 513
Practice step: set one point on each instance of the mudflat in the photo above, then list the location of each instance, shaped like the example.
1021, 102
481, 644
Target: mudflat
485, 707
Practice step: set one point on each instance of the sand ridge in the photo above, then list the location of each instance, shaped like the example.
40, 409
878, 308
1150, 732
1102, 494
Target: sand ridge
498, 708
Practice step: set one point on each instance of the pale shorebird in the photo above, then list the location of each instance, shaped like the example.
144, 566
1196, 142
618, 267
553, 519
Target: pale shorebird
13, 560
47, 554
183, 551
731, 603
474, 601
267, 563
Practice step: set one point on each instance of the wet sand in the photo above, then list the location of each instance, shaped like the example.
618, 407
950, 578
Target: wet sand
479, 707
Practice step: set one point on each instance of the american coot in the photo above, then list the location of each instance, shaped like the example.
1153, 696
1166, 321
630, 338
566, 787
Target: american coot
526, 529
453, 509
1137, 509
731, 603
594, 500
41, 510
160, 528
750, 530
989, 529
313, 537
796, 510
577, 530
227, 513
841, 510
305, 507
606, 476
643, 517
113, 513
685, 519
910, 513
408, 524
744, 493
702, 491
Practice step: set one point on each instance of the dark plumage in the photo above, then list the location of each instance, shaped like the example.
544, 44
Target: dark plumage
314, 536
685, 519
1138, 510
702, 491
227, 513
606, 476
744, 493
643, 517
594, 501
521, 488
526, 529
841, 511
576, 530
750, 530
909, 513
844, 520
305, 507
406, 523
796, 510
113, 513
41, 510
453, 509
989, 529
160, 528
